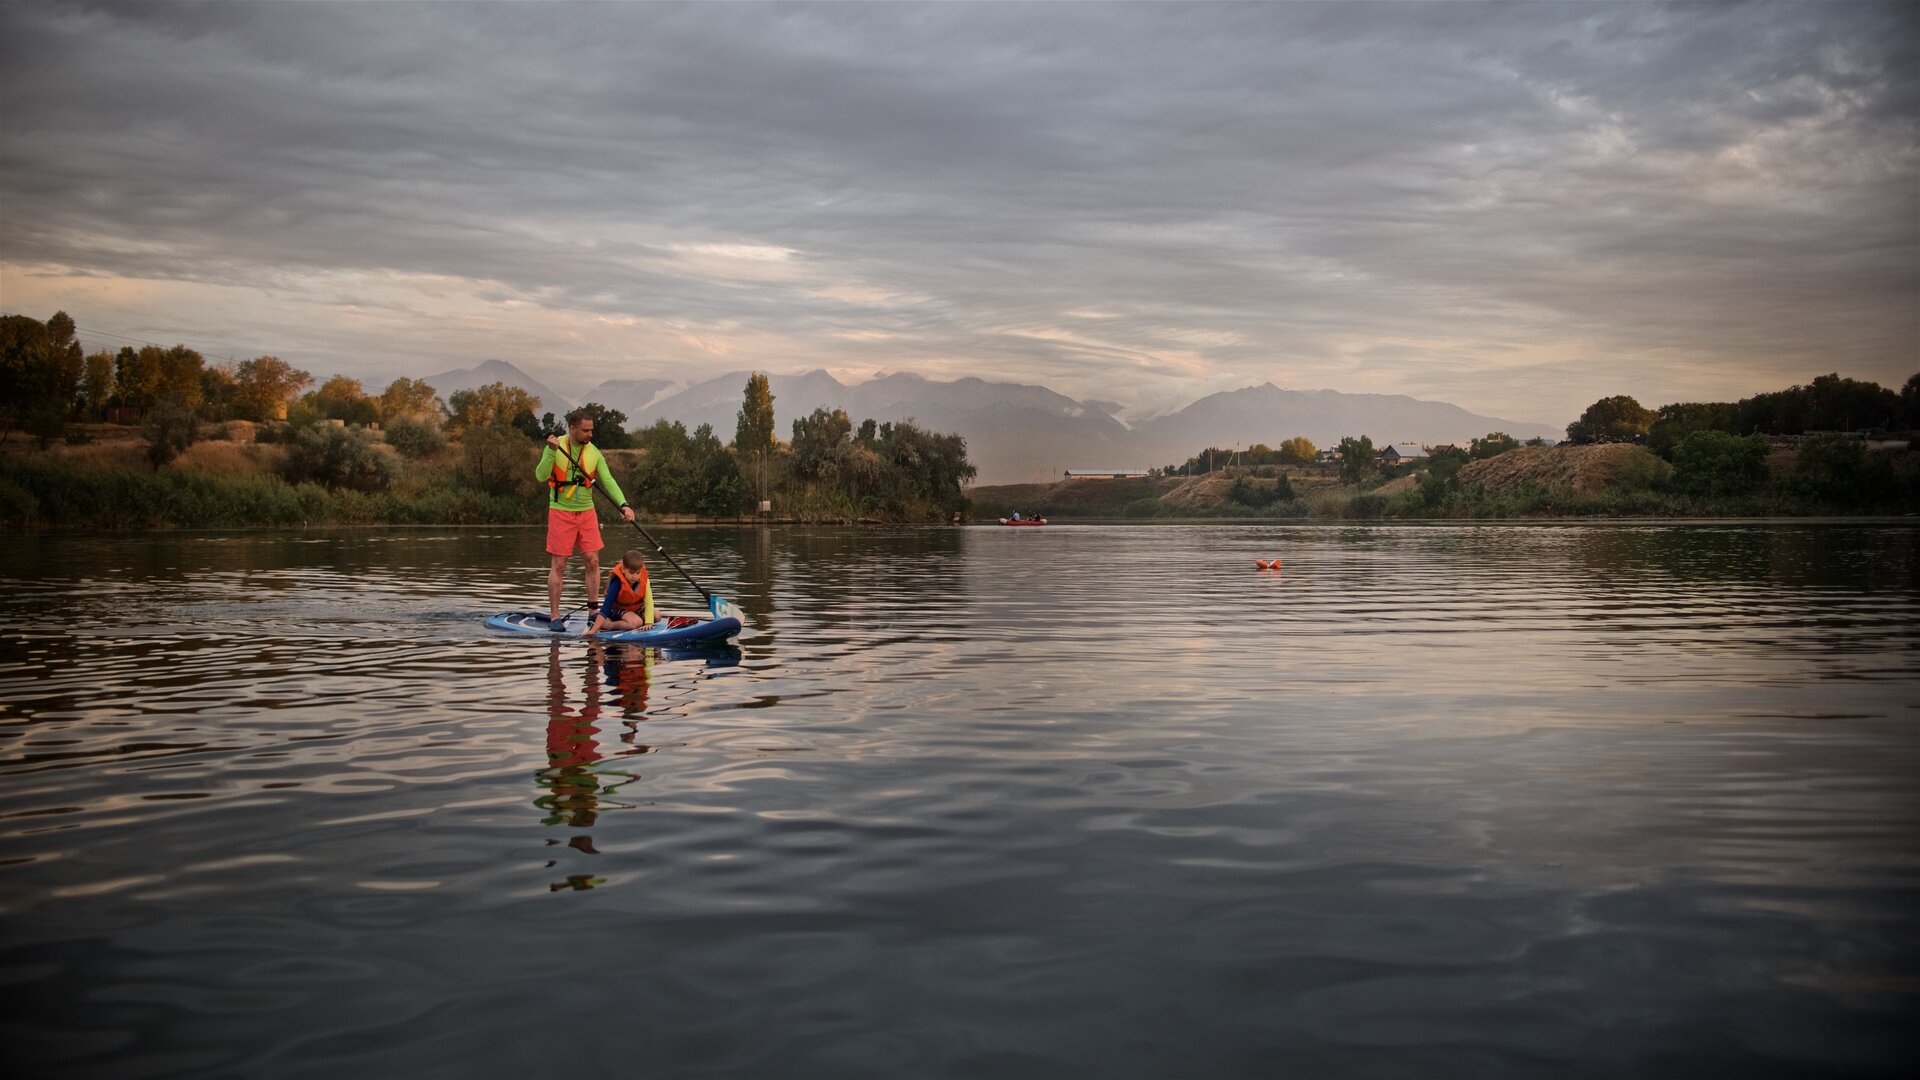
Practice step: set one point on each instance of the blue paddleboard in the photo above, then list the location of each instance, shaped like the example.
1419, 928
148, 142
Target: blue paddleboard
679, 631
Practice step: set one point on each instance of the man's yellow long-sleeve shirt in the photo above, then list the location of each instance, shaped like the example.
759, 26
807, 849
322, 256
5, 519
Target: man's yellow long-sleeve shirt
577, 496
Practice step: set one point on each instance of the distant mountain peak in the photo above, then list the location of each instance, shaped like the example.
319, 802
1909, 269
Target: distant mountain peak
448, 383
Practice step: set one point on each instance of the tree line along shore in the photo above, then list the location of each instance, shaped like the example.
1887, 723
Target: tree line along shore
1832, 446
156, 437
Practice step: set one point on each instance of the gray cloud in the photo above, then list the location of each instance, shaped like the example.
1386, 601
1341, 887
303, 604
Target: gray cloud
1517, 206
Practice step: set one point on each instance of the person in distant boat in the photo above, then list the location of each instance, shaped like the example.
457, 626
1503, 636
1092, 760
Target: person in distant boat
1016, 515
571, 468
628, 604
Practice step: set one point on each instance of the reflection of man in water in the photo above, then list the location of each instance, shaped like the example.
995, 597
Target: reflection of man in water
572, 787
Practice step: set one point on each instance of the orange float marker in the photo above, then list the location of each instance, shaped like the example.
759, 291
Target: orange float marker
1265, 565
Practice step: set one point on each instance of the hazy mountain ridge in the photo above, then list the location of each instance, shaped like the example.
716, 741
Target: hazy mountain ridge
631, 396
447, 383
1268, 414
1018, 432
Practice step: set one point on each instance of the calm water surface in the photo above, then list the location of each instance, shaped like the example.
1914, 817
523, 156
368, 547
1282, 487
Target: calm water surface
1076, 801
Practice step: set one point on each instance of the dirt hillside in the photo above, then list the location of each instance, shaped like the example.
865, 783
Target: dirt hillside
1208, 490
1585, 469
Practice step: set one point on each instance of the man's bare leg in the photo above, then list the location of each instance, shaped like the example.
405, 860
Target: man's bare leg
554, 586
592, 559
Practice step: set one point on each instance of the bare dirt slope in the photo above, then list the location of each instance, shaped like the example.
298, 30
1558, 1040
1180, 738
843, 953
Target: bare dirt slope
1208, 490
1585, 469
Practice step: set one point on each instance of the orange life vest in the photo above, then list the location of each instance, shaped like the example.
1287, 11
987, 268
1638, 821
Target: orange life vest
635, 592
566, 477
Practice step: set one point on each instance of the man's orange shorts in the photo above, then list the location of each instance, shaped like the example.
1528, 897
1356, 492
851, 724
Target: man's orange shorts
565, 527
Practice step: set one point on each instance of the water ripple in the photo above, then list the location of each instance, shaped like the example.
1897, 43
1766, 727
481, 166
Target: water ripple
1566, 798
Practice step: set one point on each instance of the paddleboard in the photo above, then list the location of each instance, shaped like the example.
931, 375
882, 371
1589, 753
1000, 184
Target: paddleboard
677, 629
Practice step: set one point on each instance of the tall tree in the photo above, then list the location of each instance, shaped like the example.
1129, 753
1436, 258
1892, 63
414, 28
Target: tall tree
341, 398
818, 442
753, 436
96, 384
1357, 463
144, 378
135, 374
609, 427
218, 389
264, 385
66, 363
754, 432
1299, 448
1611, 419
495, 404
409, 399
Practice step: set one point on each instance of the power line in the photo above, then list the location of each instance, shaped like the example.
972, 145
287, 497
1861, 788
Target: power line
79, 330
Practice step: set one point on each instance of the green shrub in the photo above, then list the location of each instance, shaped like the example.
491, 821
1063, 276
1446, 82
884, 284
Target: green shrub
415, 438
170, 429
495, 459
1366, 506
1716, 463
337, 457
17, 504
1841, 471
1643, 470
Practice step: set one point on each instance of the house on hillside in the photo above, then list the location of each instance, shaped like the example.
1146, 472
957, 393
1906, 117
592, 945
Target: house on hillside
1401, 453
1104, 474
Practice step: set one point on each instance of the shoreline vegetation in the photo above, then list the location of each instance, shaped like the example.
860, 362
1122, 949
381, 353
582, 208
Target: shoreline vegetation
1834, 447
336, 475
154, 438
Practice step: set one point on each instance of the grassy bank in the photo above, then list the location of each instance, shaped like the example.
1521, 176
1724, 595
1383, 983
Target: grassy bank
1560, 482
1466, 504
43, 494
108, 484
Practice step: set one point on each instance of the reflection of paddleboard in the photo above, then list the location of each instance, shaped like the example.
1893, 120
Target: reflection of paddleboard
670, 630
1027, 521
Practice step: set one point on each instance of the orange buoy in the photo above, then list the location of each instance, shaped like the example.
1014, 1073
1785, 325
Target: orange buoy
1265, 565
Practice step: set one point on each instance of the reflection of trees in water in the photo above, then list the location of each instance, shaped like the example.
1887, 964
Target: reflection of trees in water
755, 587
572, 786
1844, 556
839, 567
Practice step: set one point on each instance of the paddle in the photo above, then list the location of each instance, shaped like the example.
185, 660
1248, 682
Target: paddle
719, 606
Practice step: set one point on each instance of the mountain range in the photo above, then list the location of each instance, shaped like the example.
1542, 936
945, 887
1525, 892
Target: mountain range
448, 383
1017, 432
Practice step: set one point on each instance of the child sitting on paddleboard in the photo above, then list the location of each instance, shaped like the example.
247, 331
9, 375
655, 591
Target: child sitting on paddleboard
628, 604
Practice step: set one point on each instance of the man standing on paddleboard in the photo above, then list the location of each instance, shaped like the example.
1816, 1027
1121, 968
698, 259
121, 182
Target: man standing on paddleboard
572, 468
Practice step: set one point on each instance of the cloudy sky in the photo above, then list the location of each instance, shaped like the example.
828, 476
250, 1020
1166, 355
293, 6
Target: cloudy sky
1518, 208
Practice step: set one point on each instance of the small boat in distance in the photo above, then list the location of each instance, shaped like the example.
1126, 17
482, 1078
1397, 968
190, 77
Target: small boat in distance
1023, 521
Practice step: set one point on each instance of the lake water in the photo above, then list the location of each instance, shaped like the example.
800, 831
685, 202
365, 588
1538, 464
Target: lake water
1077, 801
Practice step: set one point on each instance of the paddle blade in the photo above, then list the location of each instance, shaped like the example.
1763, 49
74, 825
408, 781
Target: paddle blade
723, 608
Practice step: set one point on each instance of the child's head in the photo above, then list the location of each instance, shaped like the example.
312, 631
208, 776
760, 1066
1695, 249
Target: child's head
633, 561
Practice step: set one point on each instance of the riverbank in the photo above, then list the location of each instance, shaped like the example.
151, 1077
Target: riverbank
106, 483
227, 484
1608, 481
